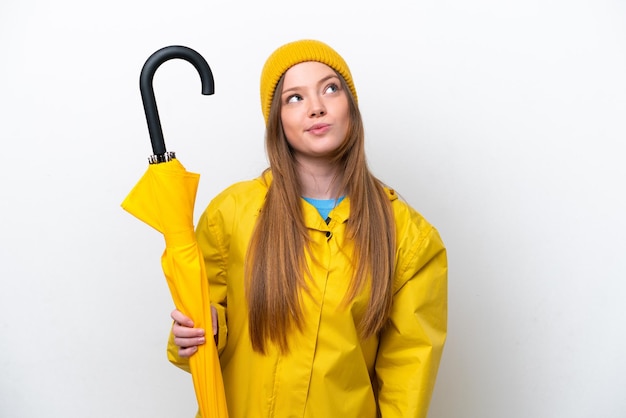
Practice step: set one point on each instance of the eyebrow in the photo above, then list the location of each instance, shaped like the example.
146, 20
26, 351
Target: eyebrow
321, 81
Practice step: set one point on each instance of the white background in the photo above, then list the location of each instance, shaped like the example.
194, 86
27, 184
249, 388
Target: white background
503, 122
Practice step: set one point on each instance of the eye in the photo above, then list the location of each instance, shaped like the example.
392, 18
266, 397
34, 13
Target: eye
331, 88
293, 98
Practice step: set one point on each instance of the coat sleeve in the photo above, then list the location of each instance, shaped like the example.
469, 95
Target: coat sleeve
411, 344
210, 241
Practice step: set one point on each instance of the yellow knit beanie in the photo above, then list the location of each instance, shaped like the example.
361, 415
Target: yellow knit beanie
294, 53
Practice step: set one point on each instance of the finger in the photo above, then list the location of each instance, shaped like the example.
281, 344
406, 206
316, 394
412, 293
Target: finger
181, 319
184, 343
186, 332
187, 352
214, 320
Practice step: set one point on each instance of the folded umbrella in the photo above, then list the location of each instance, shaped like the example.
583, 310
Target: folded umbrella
164, 198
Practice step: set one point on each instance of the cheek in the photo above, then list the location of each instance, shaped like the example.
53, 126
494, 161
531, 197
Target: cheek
292, 120
287, 119
342, 108
345, 117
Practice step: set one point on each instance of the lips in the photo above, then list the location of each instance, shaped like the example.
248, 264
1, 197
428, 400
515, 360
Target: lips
319, 128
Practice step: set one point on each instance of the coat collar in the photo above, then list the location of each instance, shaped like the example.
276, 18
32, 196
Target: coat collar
312, 218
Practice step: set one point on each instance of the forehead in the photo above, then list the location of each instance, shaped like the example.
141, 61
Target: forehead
308, 72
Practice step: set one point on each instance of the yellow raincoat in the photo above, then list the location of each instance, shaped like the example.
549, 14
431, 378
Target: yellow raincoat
330, 371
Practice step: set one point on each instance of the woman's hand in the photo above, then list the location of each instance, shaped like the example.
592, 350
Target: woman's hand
186, 337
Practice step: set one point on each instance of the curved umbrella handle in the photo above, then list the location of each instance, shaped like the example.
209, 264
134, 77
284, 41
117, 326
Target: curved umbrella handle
147, 92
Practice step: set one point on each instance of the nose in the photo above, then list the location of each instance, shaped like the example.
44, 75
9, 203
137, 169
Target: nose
317, 108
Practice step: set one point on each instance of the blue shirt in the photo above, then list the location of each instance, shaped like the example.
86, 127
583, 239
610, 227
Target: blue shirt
324, 206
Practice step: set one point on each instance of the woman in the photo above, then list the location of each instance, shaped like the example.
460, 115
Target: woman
329, 293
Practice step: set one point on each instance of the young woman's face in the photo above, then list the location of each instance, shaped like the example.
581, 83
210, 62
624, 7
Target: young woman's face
315, 111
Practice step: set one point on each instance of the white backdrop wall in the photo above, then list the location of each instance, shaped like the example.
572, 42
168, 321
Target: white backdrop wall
502, 122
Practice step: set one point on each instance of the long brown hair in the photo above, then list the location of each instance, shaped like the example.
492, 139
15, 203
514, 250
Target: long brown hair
276, 270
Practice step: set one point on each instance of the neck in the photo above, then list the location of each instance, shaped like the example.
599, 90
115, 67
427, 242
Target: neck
319, 180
